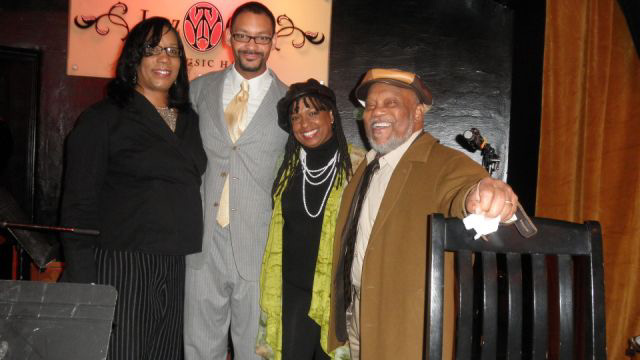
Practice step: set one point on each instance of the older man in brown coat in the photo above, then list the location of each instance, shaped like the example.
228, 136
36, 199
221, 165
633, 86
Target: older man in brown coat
379, 255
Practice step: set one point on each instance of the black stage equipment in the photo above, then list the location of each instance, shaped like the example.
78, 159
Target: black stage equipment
55, 321
634, 347
491, 162
490, 159
41, 250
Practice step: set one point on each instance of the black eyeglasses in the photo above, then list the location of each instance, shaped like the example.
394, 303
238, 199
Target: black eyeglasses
244, 38
149, 50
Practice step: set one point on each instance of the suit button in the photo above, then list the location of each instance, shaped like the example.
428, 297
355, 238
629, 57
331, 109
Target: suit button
215, 204
235, 147
223, 174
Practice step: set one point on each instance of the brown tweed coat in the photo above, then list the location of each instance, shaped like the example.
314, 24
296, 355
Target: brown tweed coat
430, 178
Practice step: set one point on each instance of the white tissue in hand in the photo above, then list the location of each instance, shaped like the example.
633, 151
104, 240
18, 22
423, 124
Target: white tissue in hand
481, 224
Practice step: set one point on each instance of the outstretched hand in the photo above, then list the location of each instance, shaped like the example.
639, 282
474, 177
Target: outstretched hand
492, 198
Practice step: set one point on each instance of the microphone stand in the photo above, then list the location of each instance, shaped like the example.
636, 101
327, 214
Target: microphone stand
490, 159
40, 254
6, 224
40, 249
491, 162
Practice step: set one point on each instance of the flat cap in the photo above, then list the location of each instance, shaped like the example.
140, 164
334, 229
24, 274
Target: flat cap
394, 77
299, 90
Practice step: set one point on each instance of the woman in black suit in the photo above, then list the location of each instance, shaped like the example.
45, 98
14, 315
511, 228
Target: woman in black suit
134, 162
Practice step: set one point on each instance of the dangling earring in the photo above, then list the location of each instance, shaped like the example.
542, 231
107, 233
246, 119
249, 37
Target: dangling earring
135, 78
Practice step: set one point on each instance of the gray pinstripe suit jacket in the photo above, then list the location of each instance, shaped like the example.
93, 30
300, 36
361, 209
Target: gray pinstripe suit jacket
251, 165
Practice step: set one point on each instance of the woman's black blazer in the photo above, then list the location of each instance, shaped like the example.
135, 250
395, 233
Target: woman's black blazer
130, 177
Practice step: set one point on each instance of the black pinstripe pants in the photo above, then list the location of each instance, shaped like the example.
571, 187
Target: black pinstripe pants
149, 312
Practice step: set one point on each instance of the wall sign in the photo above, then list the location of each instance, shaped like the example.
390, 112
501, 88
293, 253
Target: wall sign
98, 28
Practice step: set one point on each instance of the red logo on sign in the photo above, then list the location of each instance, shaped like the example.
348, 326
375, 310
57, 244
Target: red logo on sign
202, 26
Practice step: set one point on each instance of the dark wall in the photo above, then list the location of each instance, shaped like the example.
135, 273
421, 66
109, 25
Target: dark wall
42, 26
461, 48
526, 100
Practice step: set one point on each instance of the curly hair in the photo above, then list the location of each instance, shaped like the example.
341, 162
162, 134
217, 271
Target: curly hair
147, 32
291, 160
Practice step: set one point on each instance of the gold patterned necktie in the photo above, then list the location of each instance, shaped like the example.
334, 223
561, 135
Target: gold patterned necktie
235, 116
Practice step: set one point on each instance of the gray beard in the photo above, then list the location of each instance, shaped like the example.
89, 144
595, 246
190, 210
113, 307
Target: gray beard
392, 144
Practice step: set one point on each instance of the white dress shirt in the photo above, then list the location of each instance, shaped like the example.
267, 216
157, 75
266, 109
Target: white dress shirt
371, 203
258, 87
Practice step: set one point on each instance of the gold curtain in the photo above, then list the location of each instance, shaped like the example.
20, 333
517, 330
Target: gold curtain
589, 166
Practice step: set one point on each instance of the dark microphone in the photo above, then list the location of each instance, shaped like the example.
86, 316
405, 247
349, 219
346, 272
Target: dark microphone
634, 346
490, 160
475, 140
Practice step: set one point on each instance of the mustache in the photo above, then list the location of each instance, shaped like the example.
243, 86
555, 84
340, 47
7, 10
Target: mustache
251, 52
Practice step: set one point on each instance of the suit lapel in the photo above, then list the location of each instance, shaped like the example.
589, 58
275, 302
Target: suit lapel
185, 150
350, 191
345, 208
265, 112
391, 195
146, 114
339, 251
417, 152
213, 97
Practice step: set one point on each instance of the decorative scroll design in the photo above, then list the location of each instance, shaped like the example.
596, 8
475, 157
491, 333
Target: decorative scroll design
288, 29
114, 16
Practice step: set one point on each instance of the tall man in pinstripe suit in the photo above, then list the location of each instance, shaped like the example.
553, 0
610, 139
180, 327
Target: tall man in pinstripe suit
222, 282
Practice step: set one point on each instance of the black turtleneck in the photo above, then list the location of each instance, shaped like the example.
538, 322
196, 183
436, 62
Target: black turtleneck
301, 232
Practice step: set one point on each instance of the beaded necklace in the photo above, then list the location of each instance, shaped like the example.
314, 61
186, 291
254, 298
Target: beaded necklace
169, 115
317, 177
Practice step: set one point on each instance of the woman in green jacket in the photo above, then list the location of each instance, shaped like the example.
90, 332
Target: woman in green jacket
296, 268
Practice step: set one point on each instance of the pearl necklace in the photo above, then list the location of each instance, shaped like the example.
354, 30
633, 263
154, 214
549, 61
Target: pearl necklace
317, 177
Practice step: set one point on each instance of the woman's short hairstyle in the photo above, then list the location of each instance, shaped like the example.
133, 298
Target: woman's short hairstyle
148, 32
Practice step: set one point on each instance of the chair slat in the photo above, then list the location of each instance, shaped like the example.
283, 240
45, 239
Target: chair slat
515, 307
514, 311
565, 305
434, 296
464, 306
540, 340
553, 237
597, 348
490, 306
